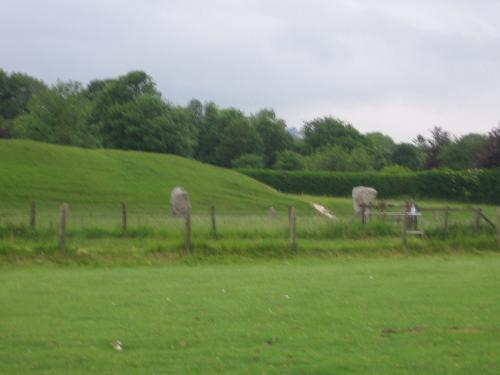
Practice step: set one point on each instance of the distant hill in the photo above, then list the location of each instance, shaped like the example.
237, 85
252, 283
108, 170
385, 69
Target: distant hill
50, 173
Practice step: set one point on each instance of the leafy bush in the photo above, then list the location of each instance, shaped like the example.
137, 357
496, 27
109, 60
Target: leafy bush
289, 161
249, 161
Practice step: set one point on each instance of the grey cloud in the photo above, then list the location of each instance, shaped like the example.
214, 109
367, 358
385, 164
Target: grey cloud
303, 58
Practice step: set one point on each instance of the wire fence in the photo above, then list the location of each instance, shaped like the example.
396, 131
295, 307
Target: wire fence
372, 221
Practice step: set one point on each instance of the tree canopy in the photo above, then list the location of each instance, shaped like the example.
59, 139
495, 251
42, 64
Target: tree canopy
128, 112
330, 132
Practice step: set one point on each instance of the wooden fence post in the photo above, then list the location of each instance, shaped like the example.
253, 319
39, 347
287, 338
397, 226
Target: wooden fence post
446, 212
33, 215
293, 229
187, 232
124, 216
405, 227
498, 227
63, 214
477, 219
214, 222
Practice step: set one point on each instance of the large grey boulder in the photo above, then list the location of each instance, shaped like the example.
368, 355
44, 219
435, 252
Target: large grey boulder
362, 195
179, 202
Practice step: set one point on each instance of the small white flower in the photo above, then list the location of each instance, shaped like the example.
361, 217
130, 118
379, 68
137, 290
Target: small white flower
286, 296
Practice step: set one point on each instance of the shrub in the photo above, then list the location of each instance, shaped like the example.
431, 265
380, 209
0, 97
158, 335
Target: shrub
289, 161
248, 161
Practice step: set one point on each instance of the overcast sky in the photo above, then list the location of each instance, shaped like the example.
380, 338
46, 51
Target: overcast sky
399, 67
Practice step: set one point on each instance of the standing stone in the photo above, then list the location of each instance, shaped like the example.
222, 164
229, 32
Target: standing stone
362, 195
179, 202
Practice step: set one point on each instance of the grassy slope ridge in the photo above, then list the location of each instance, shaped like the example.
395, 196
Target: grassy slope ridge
49, 173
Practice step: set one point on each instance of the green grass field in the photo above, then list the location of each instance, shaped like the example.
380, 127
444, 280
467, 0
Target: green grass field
350, 299
391, 315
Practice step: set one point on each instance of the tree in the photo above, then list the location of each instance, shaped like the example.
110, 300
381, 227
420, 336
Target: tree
489, 156
329, 131
462, 153
148, 124
208, 134
122, 91
432, 146
131, 114
196, 111
407, 155
95, 87
335, 158
360, 160
16, 90
381, 147
273, 133
288, 160
236, 137
59, 115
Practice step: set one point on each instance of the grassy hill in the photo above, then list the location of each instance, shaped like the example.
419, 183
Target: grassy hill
53, 174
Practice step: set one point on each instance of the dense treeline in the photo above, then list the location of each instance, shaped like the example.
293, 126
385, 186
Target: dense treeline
129, 112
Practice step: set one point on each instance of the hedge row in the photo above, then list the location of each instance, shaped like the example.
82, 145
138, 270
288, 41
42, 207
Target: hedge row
478, 186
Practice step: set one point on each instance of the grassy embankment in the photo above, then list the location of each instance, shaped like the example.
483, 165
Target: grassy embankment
94, 182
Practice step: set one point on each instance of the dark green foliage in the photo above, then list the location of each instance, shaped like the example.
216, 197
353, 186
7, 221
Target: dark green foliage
407, 155
289, 161
236, 137
482, 186
273, 133
329, 131
128, 112
433, 146
248, 161
208, 134
147, 124
334, 158
489, 156
131, 115
224, 135
381, 147
463, 152
340, 159
360, 159
196, 112
95, 87
59, 115
16, 90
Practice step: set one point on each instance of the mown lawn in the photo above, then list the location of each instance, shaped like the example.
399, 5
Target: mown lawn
391, 315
